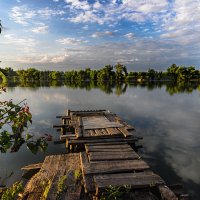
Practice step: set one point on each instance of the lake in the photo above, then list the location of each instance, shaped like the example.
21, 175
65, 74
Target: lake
167, 116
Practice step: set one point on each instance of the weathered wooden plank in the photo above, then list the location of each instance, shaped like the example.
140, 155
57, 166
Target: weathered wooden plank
87, 179
110, 146
125, 132
135, 180
87, 133
92, 132
166, 193
37, 184
99, 144
68, 135
52, 169
104, 131
87, 111
101, 140
93, 136
98, 132
64, 117
78, 132
32, 166
110, 117
67, 165
114, 153
102, 156
129, 127
61, 126
68, 112
31, 170
109, 151
98, 122
52, 194
115, 166
113, 131
73, 195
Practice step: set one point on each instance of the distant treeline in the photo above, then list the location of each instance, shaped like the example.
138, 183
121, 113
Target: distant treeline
116, 73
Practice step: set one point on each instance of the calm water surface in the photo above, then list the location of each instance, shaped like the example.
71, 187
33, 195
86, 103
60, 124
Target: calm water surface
169, 125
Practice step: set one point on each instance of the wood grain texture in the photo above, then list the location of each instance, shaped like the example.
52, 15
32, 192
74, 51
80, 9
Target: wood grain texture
104, 156
87, 178
115, 166
52, 169
135, 180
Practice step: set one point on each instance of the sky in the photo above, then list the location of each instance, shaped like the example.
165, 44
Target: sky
75, 34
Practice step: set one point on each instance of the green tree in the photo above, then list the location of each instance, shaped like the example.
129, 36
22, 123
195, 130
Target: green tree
56, 75
152, 74
121, 71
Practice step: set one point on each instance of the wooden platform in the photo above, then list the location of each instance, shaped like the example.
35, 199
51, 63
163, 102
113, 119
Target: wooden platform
105, 158
94, 126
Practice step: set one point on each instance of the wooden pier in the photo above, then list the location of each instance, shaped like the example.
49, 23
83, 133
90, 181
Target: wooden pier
101, 163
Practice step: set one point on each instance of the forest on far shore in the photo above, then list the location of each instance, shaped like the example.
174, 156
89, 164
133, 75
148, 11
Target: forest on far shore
117, 73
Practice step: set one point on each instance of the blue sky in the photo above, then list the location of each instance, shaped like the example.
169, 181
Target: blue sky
74, 34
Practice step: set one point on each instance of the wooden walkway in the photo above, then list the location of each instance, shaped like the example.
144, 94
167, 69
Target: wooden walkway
105, 158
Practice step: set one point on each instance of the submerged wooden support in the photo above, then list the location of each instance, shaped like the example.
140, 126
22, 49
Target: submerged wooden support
31, 170
166, 193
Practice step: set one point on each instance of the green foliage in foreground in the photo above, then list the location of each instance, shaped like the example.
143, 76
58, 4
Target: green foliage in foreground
14, 119
12, 192
116, 193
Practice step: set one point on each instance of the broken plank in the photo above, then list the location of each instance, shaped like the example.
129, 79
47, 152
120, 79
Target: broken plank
125, 132
113, 131
115, 166
98, 132
32, 166
104, 131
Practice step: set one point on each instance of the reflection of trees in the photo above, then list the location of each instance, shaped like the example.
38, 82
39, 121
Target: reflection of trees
120, 88
181, 87
110, 87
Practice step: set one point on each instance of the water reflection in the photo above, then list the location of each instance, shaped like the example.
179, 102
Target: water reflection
112, 87
165, 114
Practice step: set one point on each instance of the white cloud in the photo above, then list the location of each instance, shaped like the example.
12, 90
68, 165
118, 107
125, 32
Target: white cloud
112, 12
181, 23
102, 34
24, 15
40, 29
21, 14
43, 59
129, 36
25, 44
76, 4
70, 41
